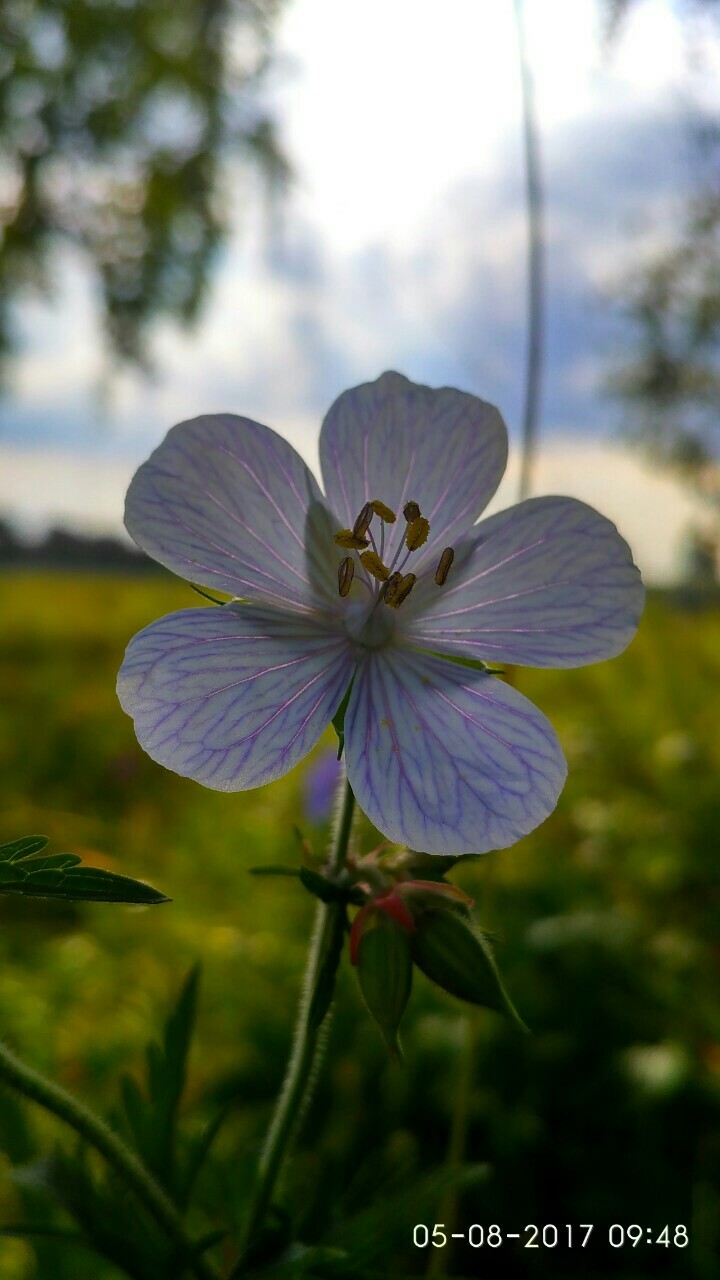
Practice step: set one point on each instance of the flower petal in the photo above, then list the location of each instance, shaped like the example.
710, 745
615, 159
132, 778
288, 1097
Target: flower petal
446, 759
233, 697
397, 441
228, 503
548, 583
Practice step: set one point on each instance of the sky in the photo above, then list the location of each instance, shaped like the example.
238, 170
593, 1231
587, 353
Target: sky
401, 244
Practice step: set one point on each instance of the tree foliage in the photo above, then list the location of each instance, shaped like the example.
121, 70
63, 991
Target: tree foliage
669, 375
115, 119
670, 379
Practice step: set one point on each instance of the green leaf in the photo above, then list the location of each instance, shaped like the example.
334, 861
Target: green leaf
382, 1227
57, 861
167, 1069
206, 594
26, 871
22, 848
326, 891
150, 1115
108, 1216
26, 1230
196, 1155
474, 663
81, 884
338, 720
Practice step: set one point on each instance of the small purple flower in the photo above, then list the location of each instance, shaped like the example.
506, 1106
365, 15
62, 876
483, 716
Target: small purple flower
321, 783
378, 582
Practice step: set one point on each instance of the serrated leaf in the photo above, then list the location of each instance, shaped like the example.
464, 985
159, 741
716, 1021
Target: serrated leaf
178, 1037
151, 1115
134, 1106
196, 1155
108, 1217
62, 875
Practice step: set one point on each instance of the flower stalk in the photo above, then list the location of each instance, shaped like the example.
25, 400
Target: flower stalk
323, 958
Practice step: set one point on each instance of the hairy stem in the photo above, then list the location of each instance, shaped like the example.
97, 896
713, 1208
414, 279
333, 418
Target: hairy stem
322, 961
93, 1130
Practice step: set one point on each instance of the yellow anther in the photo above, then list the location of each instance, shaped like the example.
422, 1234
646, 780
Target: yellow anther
346, 573
375, 566
402, 591
411, 511
391, 590
382, 511
444, 565
417, 532
348, 539
362, 524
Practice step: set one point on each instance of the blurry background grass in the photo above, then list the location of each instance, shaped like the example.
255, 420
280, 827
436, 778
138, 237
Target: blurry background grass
605, 923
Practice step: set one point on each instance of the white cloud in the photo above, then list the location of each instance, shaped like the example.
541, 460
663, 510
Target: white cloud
404, 246
652, 510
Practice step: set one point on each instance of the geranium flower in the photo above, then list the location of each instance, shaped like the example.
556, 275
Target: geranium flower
377, 582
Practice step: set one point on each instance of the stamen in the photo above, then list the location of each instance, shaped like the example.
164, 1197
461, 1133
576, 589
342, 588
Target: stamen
362, 524
444, 565
411, 511
417, 532
348, 539
402, 591
346, 573
374, 565
382, 511
392, 586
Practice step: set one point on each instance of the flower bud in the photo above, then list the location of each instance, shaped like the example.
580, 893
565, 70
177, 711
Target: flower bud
384, 967
453, 954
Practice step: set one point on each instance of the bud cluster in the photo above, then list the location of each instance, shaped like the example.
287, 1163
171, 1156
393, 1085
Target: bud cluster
408, 923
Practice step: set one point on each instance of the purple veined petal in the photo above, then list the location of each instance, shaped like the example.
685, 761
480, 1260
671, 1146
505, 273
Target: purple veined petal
397, 441
235, 696
228, 503
548, 583
446, 759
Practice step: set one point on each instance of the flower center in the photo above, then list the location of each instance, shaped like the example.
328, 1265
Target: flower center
383, 575
368, 627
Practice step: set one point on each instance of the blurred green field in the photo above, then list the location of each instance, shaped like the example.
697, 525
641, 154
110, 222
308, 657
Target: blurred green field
606, 925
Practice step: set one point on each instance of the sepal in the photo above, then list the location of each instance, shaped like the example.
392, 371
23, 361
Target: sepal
453, 954
384, 968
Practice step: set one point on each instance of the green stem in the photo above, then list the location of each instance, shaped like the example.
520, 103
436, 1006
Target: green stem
535, 264
17, 1075
295, 1091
